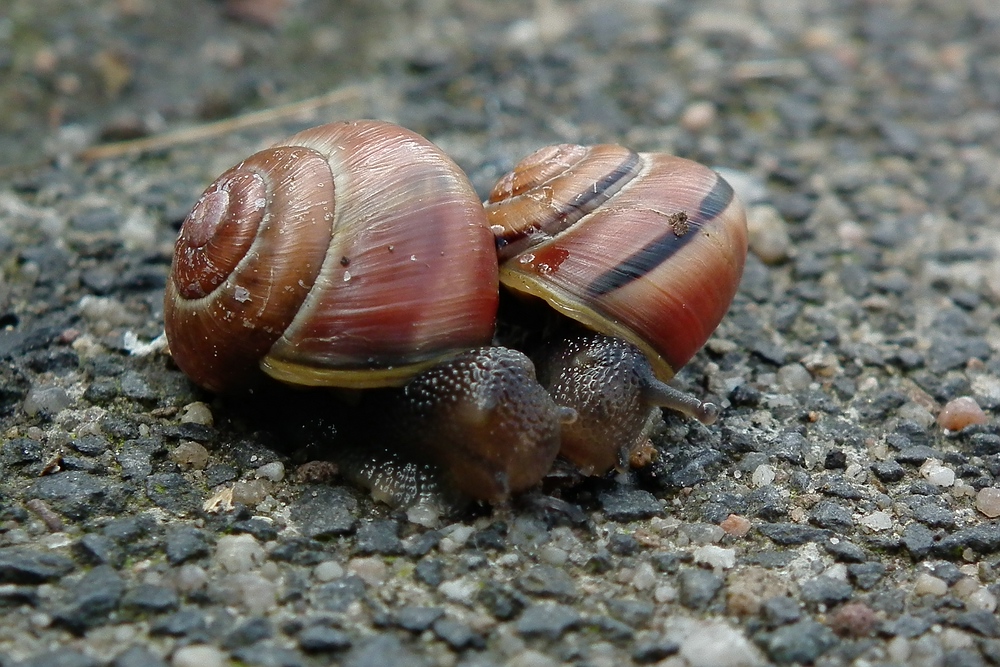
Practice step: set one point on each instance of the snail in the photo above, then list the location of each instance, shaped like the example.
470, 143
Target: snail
357, 255
647, 250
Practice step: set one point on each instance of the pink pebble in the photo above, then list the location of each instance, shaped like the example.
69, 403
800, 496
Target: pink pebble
961, 412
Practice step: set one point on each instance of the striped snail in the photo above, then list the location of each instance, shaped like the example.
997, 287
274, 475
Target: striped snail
357, 255
647, 250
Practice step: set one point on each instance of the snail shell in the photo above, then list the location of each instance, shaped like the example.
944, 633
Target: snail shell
646, 247
353, 254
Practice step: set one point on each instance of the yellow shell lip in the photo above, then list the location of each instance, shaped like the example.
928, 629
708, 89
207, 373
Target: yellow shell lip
353, 378
586, 316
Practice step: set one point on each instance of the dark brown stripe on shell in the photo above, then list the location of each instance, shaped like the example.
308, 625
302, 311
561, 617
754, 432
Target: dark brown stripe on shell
580, 205
664, 246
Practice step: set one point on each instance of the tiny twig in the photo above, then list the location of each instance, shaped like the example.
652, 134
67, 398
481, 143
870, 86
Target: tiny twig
208, 130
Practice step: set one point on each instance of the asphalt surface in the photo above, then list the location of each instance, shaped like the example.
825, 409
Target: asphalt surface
827, 518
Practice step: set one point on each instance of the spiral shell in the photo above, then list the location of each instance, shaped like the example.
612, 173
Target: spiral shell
352, 254
647, 247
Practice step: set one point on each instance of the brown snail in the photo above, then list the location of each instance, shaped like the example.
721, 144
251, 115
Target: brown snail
357, 255
644, 248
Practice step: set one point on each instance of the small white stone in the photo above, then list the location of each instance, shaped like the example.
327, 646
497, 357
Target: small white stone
274, 471
190, 578
328, 571
372, 570
665, 593
982, 600
762, 475
426, 514
794, 377
988, 501
196, 413
718, 558
459, 590
876, 521
936, 473
927, 584
238, 553
198, 655
454, 540
553, 555
644, 577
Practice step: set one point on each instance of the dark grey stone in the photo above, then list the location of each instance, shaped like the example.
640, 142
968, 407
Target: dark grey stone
323, 639
150, 599
418, 619
984, 538
421, 545
339, 594
888, 471
917, 454
134, 386
430, 571
906, 626
629, 505
185, 543
183, 623
91, 600
220, 473
20, 452
781, 610
787, 534
323, 511
265, 654
654, 650
866, 575
127, 529
64, 657
90, 445
826, 590
135, 460
828, 514
75, 495
548, 581
845, 552
698, 587
622, 544
503, 602
383, 650
173, 492
548, 620
247, 633
457, 635
379, 537
918, 540
264, 531
801, 643
20, 565
981, 622
636, 613
138, 656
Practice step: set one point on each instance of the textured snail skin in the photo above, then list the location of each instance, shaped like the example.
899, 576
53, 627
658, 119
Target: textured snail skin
610, 384
481, 416
646, 247
352, 254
